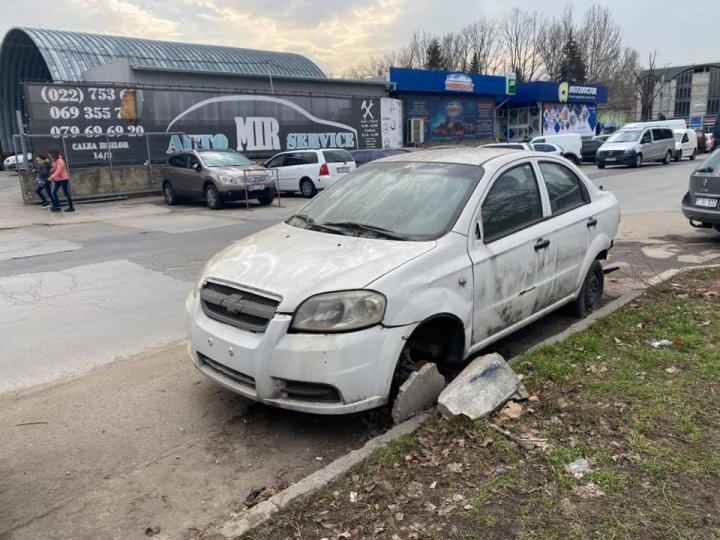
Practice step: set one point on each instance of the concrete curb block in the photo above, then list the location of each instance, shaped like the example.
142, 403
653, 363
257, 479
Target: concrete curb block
257, 515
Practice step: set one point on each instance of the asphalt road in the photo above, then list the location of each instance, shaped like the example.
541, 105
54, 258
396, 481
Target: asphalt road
146, 440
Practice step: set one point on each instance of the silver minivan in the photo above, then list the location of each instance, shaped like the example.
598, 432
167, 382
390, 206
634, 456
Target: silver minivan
633, 146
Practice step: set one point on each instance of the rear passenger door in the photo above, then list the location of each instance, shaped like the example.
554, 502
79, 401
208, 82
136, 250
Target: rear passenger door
176, 172
572, 226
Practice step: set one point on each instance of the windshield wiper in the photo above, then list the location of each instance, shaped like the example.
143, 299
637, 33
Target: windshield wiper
370, 228
706, 169
318, 226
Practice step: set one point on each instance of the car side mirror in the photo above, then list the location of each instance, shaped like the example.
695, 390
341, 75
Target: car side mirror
198, 167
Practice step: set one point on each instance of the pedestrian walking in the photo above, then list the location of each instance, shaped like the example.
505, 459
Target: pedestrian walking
61, 180
42, 179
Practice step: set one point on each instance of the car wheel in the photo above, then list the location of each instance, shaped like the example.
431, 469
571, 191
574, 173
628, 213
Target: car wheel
678, 156
600, 165
266, 199
638, 161
169, 193
693, 155
307, 188
717, 228
591, 292
667, 158
212, 197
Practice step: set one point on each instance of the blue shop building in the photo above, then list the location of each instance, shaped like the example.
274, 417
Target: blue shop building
549, 108
442, 106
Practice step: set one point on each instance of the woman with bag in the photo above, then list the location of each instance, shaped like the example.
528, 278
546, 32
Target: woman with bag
42, 180
60, 179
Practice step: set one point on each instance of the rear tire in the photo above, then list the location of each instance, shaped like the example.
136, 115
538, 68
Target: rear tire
600, 165
667, 158
694, 155
212, 197
169, 193
591, 292
307, 188
678, 156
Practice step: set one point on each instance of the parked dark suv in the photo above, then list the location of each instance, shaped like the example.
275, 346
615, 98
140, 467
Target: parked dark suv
701, 204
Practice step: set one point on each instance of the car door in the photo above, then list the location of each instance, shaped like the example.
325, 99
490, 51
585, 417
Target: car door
646, 146
572, 225
194, 177
308, 164
513, 261
176, 172
278, 162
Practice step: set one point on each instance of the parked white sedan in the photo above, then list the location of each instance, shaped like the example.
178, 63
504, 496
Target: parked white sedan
428, 256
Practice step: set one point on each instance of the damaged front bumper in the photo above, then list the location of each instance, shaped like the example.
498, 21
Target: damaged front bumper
314, 373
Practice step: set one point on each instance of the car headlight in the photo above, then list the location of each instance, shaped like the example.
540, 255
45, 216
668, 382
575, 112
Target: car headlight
229, 179
340, 312
629, 151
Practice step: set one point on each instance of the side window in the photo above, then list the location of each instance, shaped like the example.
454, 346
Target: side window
309, 157
685, 138
292, 159
193, 162
540, 141
646, 138
512, 203
566, 190
277, 161
177, 161
543, 147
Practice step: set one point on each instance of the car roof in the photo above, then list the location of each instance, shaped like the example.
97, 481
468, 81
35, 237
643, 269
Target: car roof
460, 156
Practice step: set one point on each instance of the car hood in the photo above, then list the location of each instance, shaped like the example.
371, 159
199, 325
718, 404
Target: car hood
237, 170
295, 263
616, 146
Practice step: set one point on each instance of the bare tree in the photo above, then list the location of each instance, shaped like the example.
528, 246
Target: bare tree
455, 51
551, 42
600, 38
647, 87
482, 42
519, 32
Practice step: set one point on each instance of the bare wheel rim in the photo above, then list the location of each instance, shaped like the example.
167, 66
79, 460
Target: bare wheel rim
210, 194
169, 196
306, 188
592, 292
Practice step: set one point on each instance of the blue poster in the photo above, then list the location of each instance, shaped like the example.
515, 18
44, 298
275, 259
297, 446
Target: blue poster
453, 118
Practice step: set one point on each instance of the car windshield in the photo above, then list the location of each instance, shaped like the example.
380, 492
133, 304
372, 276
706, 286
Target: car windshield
630, 135
224, 159
401, 200
678, 137
711, 164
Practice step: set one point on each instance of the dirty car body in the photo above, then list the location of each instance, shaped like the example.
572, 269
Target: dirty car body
443, 250
701, 204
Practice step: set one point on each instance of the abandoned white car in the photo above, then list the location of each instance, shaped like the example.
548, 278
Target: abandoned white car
426, 256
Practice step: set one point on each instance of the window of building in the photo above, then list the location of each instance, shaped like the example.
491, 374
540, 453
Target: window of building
683, 86
713, 104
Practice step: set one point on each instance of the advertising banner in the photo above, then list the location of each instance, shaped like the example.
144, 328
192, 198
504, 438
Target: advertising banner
103, 119
560, 118
454, 118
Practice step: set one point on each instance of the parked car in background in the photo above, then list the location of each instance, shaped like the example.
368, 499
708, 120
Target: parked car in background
365, 156
309, 171
686, 144
12, 163
509, 146
590, 147
634, 145
331, 310
570, 143
702, 142
701, 204
547, 148
216, 175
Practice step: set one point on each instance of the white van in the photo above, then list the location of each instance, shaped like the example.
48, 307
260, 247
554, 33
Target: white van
570, 143
635, 144
672, 124
685, 144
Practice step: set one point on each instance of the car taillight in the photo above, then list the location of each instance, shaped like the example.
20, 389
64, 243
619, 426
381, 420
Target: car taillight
324, 171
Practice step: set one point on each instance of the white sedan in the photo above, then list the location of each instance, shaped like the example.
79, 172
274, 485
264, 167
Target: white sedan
428, 256
12, 163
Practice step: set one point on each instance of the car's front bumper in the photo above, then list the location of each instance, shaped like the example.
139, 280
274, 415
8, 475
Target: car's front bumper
624, 159
355, 368
698, 213
236, 193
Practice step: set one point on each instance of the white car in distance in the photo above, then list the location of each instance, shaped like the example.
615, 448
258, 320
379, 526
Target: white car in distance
309, 171
428, 256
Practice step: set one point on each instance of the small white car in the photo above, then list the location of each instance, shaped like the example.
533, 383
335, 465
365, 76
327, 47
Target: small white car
686, 144
12, 163
309, 171
428, 256
570, 144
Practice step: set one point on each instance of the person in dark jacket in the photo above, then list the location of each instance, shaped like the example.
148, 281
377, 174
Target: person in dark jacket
42, 179
716, 133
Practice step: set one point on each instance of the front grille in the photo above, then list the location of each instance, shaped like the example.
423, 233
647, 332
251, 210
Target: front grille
230, 373
612, 153
241, 309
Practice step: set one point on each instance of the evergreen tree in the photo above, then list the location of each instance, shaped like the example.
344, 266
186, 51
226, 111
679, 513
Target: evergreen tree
572, 65
474, 65
434, 57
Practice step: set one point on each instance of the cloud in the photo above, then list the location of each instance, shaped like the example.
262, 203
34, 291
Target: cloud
121, 17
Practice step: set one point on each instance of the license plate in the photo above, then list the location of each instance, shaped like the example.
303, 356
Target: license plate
705, 202
343, 169
256, 187
611, 159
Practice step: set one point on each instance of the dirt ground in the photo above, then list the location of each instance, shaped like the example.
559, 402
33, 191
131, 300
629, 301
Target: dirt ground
643, 415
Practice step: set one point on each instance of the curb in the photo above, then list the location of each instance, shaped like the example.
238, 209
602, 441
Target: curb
257, 515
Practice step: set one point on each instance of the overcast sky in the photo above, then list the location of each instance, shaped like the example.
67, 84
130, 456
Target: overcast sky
339, 33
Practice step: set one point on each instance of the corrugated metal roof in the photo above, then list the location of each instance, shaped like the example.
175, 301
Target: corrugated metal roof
670, 72
69, 54
32, 54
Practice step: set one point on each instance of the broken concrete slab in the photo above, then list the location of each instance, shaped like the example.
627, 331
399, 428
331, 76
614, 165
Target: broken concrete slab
419, 392
482, 387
